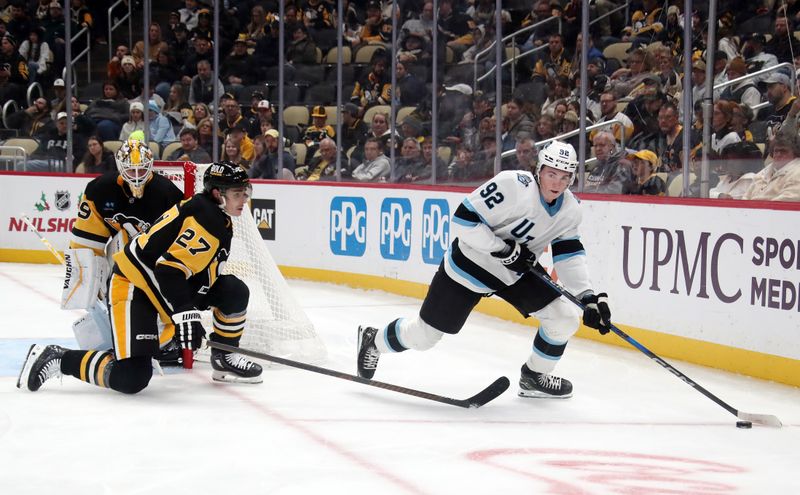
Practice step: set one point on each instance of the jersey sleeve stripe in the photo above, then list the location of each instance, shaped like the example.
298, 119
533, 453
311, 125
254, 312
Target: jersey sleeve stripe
466, 203
566, 256
464, 216
566, 246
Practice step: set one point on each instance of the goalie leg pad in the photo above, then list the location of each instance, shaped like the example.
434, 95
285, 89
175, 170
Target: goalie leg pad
84, 280
93, 330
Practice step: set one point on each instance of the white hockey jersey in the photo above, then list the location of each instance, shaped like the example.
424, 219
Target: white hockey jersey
509, 206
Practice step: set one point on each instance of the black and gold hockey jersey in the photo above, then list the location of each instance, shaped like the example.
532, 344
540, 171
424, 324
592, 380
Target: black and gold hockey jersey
108, 207
180, 256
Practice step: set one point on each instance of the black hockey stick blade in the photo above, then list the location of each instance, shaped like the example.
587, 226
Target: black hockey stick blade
481, 398
762, 419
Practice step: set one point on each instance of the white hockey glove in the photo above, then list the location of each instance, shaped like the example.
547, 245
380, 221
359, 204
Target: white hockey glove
596, 313
188, 328
85, 279
516, 257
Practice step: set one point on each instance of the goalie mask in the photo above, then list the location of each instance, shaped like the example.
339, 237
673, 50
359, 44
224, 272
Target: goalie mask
135, 164
558, 155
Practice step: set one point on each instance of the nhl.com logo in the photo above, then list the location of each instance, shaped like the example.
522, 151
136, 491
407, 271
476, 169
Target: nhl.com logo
395, 228
348, 226
435, 230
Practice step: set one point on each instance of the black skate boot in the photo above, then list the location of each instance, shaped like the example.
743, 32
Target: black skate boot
542, 385
233, 367
170, 355
42, 364
368, 354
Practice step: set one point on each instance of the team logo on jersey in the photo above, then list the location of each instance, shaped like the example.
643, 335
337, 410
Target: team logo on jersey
264, 215
348, 226
62, 200
132, 225
42, 204
435, 230
395, 228
524, 179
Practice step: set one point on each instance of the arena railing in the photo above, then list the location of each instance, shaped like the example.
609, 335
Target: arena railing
86, 52
114, 25
17, 153
758, 73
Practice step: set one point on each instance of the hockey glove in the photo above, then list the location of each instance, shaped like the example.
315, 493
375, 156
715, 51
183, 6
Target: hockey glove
189, 330
516, 257
596, 313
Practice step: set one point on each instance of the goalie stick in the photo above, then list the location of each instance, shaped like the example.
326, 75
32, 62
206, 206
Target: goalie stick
481, 398
42, 238
763, 419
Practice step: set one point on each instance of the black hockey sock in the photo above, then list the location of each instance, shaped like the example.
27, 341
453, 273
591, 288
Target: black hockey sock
228, 328
391, 337
88, 366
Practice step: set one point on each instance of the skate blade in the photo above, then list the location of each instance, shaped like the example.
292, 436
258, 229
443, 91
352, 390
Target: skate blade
533, 394
25, 373
221, 376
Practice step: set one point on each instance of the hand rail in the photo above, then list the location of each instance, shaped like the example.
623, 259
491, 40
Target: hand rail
510, 62
607, 14
87, 51
31, 87
113, 26
571, 133
8, 107
19, 151
751, 75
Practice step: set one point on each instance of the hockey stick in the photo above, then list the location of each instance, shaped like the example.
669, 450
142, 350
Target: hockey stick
42, 238
481, 398
763, 419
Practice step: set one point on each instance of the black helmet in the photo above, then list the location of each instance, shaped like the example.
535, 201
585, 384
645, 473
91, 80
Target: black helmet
224, 175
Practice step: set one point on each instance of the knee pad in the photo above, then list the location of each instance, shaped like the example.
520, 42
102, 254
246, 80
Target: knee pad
231, 295
131, 375
418, 335
559, 320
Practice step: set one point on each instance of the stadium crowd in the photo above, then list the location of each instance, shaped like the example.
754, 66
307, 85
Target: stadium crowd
635, 78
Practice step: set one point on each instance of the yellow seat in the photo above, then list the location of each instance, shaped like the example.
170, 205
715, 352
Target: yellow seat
333, 55
296, 115
28, 144
365, 53
387, 109
169, 149
618, 51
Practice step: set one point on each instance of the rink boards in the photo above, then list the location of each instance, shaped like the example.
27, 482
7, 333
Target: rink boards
711, 282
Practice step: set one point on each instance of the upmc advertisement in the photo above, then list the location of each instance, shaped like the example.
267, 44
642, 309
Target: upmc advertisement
712, 272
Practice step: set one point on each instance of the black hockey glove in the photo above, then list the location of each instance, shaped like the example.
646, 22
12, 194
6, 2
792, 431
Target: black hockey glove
596, 313
189, 330
516, 257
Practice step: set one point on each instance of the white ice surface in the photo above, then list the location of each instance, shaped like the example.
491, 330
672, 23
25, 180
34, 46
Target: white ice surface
631, 427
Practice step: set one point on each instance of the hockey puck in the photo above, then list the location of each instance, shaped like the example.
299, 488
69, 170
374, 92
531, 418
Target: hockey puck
744, 424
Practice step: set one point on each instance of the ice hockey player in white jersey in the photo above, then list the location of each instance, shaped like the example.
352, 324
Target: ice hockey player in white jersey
497, 233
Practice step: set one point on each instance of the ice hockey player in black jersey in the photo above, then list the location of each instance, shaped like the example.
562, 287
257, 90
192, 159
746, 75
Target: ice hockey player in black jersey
497, 233
170, 272
114, 207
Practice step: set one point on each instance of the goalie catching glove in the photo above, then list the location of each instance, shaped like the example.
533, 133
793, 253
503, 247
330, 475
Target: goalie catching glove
596, 313
516, 257
188, 328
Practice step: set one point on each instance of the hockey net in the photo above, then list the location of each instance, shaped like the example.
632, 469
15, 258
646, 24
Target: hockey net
276, 324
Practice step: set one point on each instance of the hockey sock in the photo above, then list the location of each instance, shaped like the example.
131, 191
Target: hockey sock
228, 328
546, 353
388, 340
88, 366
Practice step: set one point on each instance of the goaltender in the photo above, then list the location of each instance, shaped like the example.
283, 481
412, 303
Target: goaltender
169, 272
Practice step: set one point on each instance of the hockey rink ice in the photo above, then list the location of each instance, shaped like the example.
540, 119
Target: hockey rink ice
631, 427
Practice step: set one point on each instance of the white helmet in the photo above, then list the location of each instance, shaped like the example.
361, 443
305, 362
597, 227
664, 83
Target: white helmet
135, 164
560, 155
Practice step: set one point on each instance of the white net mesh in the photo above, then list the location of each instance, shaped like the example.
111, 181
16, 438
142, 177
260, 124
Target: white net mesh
276, 324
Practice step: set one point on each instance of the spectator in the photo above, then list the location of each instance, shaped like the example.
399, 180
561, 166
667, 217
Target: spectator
13, 71
204, 29
260, 154
318, 14
414, 49
428, 157
114, 68
410, 167
201, 88
722, 134
354, 130
643, 112
109, 113
262, 121
163, 73
32, 120
518, 124
555, 61
323, 165
421, 26
268, 169
180, 46
739, 165
544, 128
302, 49
780, 180
129, 81
266, 50
205, 131
561, 88
720, 71
783, 43
201, 111
625, 79
257, 28
754, 55
671, 82
612, 171
238, 136
376, 167
232, 153
19, 24
135, 122
410, 89
380, 130
670, 138
37, 53
161, 131
541, 10
465, 166
411, 128
190, 149
156, 45
96, 160
645, 181
373, 88
189, 14
238, 69
60, 90
742, 117
318, 130
525, 156
376, 29
202, 51
779, 95
81, 123
55, 37
52, 151
742, 92
175, 98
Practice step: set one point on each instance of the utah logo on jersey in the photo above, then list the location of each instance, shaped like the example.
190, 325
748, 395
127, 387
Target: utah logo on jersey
264, 215
62, 200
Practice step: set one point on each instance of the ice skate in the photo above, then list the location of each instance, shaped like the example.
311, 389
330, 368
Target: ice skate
233, 367
543, 385
368, 354
41, 364
170, 355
